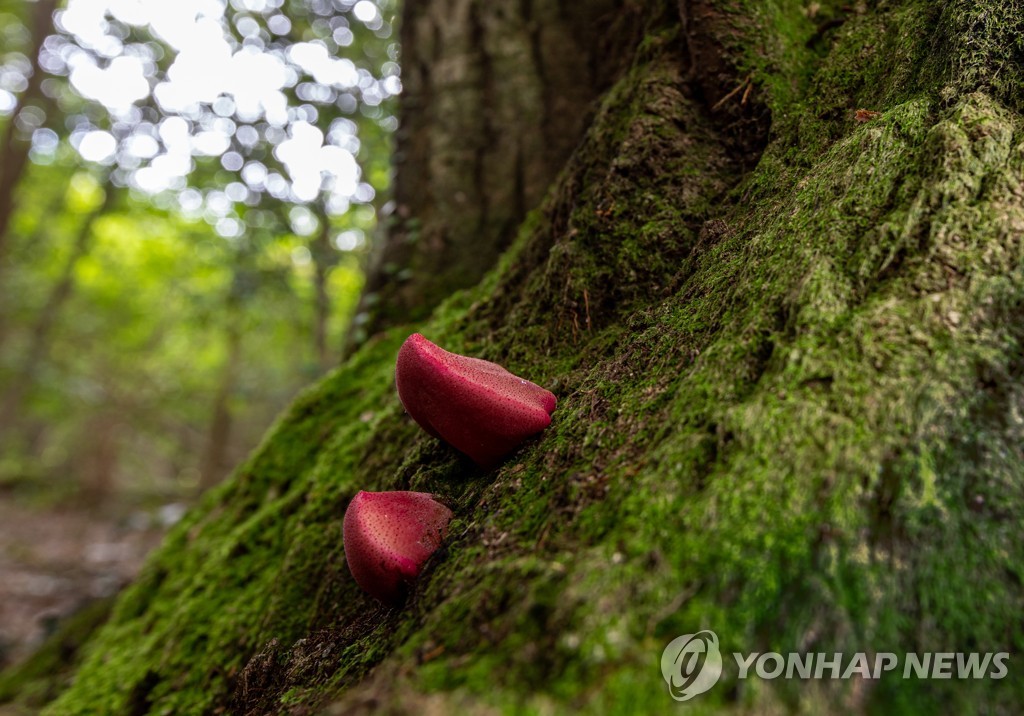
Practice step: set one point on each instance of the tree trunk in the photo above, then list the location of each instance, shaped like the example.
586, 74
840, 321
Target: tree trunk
14, 149
39, 234
41, 332
496, 95
99, 457
778, 289
214, 465
323, 255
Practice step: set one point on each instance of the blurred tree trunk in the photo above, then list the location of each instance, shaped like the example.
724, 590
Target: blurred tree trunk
324, 258
13, 148
496, 95
41, 332
100, 456
39, 234
215, 463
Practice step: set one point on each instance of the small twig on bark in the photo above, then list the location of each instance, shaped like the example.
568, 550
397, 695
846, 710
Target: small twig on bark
866, 115
745, 83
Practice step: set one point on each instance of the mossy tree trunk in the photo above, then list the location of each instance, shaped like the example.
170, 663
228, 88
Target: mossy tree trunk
786, 336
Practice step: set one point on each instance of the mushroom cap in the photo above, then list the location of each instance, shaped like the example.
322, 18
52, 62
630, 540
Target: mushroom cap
389, 536
476, 406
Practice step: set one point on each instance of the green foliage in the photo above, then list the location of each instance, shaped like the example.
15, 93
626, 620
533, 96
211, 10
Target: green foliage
148, 308
143, 336
119, 308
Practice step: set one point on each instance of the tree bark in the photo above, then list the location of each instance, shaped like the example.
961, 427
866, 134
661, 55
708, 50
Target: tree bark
496, 95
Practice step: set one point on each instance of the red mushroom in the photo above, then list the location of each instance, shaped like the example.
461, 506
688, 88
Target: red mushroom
389, 536
476, 406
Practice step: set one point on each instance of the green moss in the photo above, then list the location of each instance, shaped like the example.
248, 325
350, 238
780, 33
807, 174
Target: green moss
259, 560
789, 411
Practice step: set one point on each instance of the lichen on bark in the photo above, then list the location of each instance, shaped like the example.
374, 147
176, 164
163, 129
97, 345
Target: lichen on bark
790, 409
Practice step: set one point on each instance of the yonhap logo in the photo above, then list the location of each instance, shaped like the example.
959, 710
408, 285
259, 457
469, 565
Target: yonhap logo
691, 664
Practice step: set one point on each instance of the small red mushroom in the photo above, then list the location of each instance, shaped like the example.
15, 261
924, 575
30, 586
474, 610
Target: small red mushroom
474, 405
389, 536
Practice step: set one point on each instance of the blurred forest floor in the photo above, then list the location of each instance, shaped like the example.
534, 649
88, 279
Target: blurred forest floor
56, 560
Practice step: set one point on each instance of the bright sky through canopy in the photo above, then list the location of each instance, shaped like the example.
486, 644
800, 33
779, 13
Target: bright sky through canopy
213, 93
